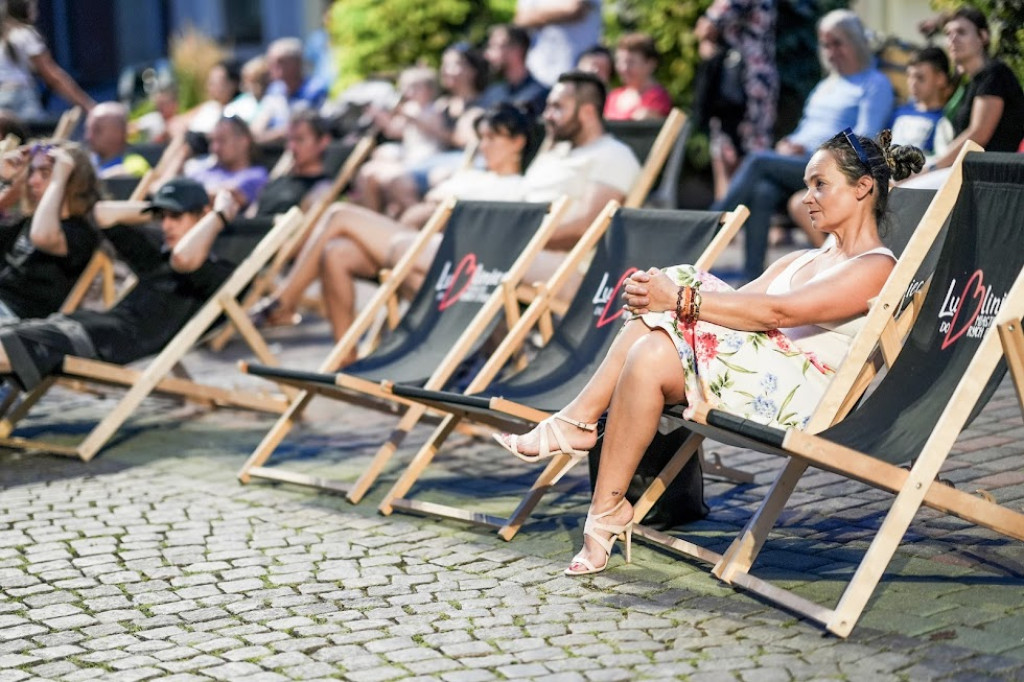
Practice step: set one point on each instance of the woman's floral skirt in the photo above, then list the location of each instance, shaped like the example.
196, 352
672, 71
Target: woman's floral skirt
761, 376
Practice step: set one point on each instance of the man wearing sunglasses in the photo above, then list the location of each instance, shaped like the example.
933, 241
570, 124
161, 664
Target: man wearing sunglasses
177, 273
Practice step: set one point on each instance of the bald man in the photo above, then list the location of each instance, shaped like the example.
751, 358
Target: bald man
106, 134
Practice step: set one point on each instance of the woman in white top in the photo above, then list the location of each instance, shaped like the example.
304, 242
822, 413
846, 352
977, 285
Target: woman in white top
765, 352
22, 51
352, 242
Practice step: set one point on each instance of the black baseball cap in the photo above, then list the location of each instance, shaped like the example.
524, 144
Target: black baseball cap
181, 195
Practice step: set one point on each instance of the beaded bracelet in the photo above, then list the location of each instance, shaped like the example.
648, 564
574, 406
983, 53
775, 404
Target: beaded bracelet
683, 290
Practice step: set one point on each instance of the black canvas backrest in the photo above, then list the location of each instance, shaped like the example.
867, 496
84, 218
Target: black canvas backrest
481, 242
336, 154
119, 188
981, 258
239, 237
150, 151
635, 239
906, 209
639, 136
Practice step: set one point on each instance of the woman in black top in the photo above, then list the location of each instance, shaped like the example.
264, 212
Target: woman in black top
991, 111
46, 247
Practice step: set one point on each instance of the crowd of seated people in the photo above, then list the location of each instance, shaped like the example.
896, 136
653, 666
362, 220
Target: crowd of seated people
489, 97
52, 215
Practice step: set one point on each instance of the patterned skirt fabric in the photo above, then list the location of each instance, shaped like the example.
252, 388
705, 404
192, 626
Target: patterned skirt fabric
762, 376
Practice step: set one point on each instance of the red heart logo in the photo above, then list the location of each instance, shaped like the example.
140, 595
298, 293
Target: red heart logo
978, 294
467, 264
605, 317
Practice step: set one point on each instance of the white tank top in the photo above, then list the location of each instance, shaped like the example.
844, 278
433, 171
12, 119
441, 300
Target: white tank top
829, 341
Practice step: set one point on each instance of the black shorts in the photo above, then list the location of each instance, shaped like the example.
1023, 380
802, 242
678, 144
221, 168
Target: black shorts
36, 348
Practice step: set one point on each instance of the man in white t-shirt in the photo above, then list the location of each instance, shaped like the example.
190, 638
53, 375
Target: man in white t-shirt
585, 164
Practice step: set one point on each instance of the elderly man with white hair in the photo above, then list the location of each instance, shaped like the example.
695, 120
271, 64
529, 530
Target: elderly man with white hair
290, 89
106, 134
854, 95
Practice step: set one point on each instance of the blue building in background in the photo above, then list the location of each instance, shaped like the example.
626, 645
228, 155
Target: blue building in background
95, 40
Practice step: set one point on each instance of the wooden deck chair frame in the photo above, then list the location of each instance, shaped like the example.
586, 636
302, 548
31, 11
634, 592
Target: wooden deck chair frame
155, 377
884, 334
361, 391
67, 123
506, 413
265, 281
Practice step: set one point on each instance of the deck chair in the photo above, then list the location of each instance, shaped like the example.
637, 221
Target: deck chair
260, 248
347, 165
907, 208
966, 335
486, 249
626, 239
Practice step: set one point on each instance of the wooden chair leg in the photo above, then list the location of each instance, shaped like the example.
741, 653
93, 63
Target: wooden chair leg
387, 450
558, 467
11, 420
276, 434
740, 555
419, 463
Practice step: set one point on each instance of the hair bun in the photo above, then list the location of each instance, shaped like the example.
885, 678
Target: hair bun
906, 160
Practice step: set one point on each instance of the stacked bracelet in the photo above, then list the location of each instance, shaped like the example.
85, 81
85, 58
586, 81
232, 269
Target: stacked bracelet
688, 301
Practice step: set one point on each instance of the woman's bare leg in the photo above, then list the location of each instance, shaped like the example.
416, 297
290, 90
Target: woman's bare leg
372, 230
593, 400
651, 377
344, 261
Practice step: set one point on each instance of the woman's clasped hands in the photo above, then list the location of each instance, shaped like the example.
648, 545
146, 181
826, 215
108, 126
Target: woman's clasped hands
649, 291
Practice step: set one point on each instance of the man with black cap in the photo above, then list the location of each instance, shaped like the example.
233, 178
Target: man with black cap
177, 273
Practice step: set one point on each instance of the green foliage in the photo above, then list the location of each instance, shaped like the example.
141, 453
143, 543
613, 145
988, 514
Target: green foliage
1006, 18
384, 36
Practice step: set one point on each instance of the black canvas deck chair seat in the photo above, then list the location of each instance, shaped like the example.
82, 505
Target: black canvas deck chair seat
965, 336
485, 251
626, 239
251, 245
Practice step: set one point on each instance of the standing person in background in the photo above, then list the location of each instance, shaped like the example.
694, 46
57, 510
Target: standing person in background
506, 50
23, 51
991, 111
640, 97
562, 30
854, 95
737, 34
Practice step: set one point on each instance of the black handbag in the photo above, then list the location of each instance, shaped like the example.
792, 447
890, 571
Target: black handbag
683, 499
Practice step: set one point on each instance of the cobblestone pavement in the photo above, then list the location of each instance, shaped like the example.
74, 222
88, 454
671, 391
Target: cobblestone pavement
152, 562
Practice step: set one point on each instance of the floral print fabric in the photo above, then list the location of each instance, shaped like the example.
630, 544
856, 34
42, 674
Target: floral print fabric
761, 376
